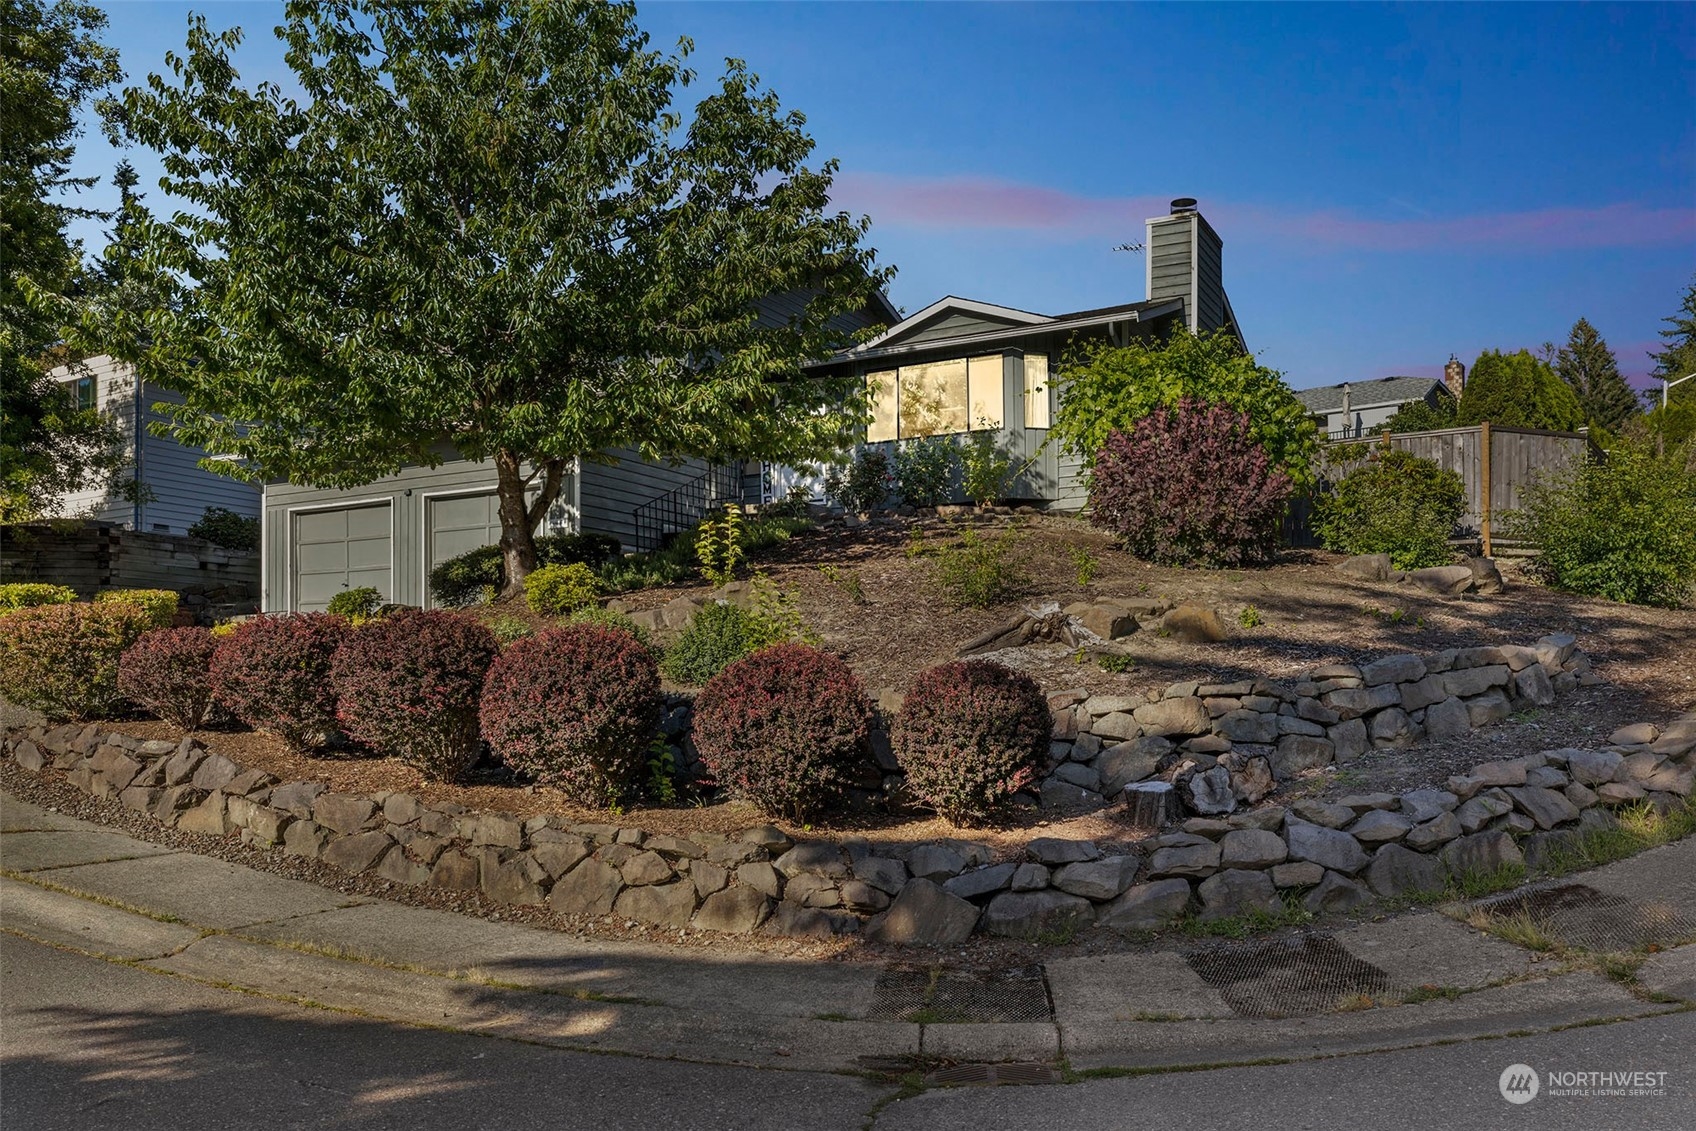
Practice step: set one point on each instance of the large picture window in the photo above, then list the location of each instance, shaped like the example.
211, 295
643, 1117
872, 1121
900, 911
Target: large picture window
936, 398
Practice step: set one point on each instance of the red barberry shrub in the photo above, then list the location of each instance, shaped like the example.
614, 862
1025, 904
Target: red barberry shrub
970, 735
785, 728
62, 660
169, 672
409, 686
576, 708
273, 673
1190, 486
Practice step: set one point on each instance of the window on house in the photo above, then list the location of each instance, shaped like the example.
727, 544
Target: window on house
1036, 390
936, 398
85, 391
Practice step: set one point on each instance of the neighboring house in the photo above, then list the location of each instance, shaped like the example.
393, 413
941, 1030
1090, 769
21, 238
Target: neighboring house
161, 488
961, 365
1354, 408
391, 532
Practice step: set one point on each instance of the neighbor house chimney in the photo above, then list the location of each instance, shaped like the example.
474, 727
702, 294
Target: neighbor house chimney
1454, 376
1185, 262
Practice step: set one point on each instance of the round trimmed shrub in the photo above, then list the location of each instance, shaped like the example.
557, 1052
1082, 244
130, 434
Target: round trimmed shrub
357, 605
408, 686
1190, 485
785, 728
169, 672
160, 605
33, 594
575, 708
1395, 503
273, 673
62, 660
556, 590
970, 735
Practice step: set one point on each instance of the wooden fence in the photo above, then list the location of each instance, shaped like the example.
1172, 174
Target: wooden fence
1496, 464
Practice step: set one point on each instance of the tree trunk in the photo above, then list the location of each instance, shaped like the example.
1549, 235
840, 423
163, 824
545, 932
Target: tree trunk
519, 518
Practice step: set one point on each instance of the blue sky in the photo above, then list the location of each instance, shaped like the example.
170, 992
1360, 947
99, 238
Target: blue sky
1393, 183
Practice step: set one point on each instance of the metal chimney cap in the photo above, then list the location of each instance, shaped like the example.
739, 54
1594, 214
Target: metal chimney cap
1182, 205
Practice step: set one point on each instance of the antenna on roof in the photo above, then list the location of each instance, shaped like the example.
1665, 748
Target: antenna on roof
1128, 247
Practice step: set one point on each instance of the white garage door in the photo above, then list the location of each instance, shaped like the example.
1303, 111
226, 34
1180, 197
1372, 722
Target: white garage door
333, 550
458, 524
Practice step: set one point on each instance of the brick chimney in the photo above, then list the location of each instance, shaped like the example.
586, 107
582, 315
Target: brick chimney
1454, 376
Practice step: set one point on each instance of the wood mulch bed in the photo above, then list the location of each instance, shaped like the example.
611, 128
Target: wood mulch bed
1310, 614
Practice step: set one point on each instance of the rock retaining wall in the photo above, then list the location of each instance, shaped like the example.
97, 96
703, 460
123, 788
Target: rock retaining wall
1333, 854
1225, 745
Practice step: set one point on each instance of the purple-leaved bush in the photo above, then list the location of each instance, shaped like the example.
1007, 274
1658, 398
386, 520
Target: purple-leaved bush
1190, 486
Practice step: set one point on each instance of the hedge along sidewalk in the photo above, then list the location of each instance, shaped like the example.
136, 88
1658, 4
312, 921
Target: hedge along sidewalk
1332, 856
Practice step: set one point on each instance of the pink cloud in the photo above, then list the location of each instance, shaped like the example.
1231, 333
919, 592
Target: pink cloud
963, 203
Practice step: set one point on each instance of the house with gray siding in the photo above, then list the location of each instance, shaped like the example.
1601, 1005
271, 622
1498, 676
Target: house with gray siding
162, 487
389, 533
961, 366
1355, 409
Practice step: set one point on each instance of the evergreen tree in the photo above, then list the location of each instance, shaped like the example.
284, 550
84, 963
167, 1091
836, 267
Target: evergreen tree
1588, 367
1679, 357
1516, 390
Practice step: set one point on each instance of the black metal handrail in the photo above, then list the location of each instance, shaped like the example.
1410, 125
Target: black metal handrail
660, 519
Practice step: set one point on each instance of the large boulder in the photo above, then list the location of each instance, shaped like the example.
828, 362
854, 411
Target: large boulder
1366, 567
733, 910
1252, 848
1237, 891
924, 915
1194, 625
1482, 853
1396, 871
1329, 848
1126, 762
1209, 792
1027, 914
1182, 715
1446, 580
1146, 907
1097, 879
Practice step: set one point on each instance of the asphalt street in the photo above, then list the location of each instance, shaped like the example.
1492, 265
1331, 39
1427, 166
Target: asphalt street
87, 1044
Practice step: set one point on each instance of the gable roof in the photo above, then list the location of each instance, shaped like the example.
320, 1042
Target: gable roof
984, 323
1369, 394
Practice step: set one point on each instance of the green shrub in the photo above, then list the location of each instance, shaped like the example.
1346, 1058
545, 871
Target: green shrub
555, 590
721, 634
224, 527
923, 470
979, 571
62, 660
1624, 529
160, 605
357, 605
273, 673
1395, 503
477, 575
864, 485
765, 532
984, 467
1517, 390
33, 594
718, 545
507, 628
970, 735
785, 728
471, 577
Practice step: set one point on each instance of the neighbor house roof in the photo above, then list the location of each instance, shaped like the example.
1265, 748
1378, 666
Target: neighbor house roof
1368, 394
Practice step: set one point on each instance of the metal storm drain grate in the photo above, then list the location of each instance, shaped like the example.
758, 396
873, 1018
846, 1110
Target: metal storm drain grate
1290, 976
1580, 916
992, 1075
939, 995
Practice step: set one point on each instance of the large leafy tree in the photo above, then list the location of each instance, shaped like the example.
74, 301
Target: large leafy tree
1422, 416
51, 63
1590, 370
1517, 390
1106, 388
486, 223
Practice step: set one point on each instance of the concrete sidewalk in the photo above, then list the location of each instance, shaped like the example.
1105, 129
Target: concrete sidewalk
78, 886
